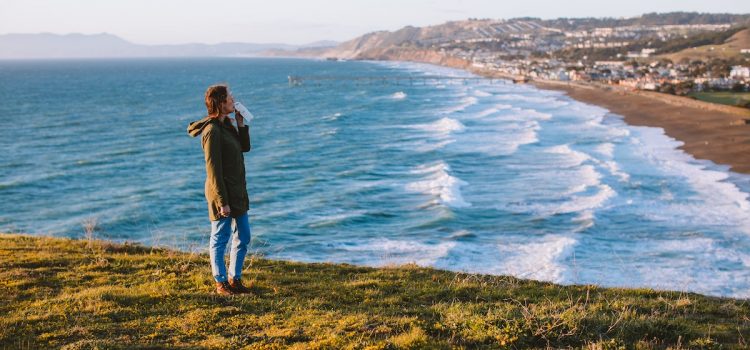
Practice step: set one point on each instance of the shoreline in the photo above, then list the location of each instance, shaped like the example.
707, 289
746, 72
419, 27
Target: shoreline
713, 133
708, 131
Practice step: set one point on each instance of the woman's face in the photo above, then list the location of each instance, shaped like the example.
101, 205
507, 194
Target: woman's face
228, 105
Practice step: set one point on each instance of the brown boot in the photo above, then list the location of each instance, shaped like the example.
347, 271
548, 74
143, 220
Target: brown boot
223, 288
237, 287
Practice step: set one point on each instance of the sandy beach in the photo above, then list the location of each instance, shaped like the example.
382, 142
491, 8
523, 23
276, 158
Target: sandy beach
709, 131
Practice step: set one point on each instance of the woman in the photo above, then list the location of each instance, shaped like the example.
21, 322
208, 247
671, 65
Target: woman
226, 191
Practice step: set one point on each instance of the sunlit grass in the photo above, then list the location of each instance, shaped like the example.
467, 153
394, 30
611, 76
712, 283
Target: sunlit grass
724, 97
85, 294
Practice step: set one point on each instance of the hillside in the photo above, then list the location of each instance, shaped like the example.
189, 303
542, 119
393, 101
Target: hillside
374, 44
730, 48
87, 294
570, 39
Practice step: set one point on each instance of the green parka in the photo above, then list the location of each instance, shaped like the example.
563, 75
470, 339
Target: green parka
225, 164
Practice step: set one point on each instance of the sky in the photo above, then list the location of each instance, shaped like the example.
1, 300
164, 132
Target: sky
299, 21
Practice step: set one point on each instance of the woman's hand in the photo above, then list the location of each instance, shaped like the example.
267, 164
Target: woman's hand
239, 118
224, 211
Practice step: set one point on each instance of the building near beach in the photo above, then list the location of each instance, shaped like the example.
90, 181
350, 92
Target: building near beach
739, 72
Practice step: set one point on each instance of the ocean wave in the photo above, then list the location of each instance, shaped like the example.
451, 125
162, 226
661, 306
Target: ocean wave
443, 126
571, 158
580, 203
541, 259
437, 182
329, 132
398, 95
499, 139
606, 149
719, 198
465, 103
697, 263
331, 117
538, 101
334, 219
487, 112
385, 251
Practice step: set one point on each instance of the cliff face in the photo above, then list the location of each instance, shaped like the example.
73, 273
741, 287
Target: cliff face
414, 55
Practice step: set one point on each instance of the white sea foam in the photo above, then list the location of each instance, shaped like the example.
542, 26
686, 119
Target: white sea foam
499, 131
443, 126
498, 141
399, 95
541, 259
721, 201
606, 149
698, 264
334, 219
330, 132
384, 251
481, 93
484, 113
581, 203
576, 158
522, 114
614, 169
537, 100
571, 158
422, 146
465, 103
437, 182
331, 117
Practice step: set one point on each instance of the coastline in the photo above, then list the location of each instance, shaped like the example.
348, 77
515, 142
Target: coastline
716, 133
708, 131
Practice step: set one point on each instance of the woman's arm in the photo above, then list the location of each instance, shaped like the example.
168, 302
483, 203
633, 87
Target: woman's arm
243, 131
214, 173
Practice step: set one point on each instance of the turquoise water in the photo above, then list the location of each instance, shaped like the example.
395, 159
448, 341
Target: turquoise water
492, 178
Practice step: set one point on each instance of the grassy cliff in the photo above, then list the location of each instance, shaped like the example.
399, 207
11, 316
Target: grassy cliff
86, 294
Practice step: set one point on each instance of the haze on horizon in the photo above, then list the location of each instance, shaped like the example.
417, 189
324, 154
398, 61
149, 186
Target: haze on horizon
298, 22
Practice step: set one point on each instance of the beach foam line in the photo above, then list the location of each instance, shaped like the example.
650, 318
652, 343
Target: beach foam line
437, 182
721, 201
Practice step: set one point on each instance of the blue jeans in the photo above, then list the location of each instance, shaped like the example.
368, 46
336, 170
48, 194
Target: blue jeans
221, 230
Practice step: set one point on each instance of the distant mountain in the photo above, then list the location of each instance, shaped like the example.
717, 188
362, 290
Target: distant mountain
46, 45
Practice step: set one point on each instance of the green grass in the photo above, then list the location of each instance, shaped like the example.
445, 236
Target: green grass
87, 294
725, 98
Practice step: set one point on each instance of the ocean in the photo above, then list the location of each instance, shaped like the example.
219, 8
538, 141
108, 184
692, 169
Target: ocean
479, 177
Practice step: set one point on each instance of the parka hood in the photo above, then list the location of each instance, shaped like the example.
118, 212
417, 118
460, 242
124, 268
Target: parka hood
196, 128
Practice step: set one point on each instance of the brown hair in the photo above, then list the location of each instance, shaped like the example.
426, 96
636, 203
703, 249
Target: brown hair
215, 96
